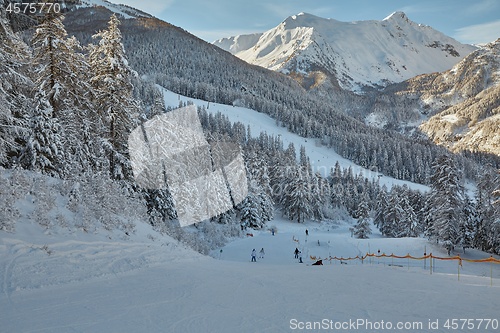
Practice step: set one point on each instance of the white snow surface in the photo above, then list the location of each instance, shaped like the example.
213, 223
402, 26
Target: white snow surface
55, 282
322, 158
60, 280
361, 53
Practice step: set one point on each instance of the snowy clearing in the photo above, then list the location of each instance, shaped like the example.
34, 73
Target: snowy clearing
322, 158
150, 283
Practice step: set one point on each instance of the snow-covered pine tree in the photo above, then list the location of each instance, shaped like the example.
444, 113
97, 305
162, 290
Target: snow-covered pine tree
266, 206
362, 228
116, 107
62, 73
395, 216
494, 239
250, 212
257, 208
257, 168
15, 91
320, 196
43, 151
160, 206
467, 226
409, 226
335, 174
58, 69
297, 197
380, 208
446, 201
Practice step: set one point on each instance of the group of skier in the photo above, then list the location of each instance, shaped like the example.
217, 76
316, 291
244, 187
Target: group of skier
297, 252
254, 255
298, 255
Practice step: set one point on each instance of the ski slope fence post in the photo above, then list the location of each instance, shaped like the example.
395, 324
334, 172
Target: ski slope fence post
430, 263
425, 259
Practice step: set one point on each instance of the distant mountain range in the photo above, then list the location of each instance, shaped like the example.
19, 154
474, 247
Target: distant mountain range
392, 74
353, 55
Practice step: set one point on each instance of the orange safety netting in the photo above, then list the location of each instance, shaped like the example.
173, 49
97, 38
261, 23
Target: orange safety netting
408, 256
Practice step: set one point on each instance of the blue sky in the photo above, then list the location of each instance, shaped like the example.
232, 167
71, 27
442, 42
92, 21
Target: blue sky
476, 21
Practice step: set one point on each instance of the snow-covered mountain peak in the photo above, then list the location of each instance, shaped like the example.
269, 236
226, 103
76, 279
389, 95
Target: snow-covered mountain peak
353, 55
304, 20
123, 10
399, 17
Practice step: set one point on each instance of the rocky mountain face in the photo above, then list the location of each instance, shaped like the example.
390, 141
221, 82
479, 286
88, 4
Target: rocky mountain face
458, 108
352, 55
464, 101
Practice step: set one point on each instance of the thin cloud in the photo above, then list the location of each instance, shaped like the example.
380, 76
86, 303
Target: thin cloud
479, 33
481, 7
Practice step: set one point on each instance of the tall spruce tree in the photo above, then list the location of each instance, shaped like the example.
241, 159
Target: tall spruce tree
116, 107
43, 149
446, 201
62, 74
15, 92
297, 197
362, 228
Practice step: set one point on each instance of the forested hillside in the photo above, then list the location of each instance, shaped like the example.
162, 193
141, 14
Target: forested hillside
68, 104
173, 58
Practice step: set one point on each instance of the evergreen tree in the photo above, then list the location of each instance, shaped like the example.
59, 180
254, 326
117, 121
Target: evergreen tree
160, 206
409, 225
56, 71
362, 228
62, 73
15, 92
249, 212
43, 150
116, 107
494, 239
380, 208
297, 199
467, 224
395, 215
320, 194
446, 201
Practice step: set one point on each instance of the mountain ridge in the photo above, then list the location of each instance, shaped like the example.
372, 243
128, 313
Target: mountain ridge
355, 54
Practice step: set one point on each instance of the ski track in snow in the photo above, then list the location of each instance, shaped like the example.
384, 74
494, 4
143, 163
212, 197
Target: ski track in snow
95, 284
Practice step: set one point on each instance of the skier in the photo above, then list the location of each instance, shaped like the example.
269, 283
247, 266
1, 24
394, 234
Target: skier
300, 257
296, 253
254, 253
307, 232
261, 253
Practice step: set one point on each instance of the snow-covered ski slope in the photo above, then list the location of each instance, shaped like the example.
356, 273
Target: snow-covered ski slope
55, 282
322, 158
